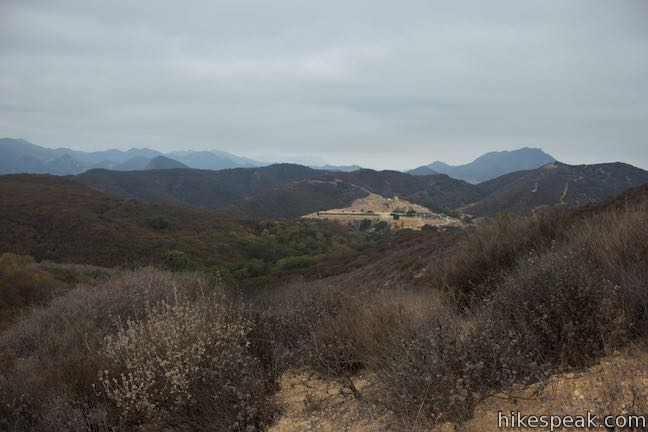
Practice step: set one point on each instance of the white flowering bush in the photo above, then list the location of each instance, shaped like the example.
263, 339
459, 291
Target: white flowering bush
186, 362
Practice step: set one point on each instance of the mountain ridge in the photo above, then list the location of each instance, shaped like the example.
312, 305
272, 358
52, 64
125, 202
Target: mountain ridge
18, 155
288, 190
555, 183
163, 162
490, 165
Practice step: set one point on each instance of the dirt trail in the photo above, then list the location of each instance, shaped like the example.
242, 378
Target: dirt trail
618, 384
564, 193
314, 404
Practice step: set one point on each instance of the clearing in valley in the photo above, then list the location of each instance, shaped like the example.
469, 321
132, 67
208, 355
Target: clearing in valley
397, 212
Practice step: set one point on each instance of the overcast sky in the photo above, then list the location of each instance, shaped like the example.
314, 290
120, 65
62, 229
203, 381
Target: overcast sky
384, 84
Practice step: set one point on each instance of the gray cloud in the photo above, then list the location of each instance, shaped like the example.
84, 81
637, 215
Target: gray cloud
371, 82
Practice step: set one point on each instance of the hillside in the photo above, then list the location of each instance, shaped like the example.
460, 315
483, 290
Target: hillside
278, 191
490, 165
515, 313
555, 183
287, 191
195, 188
437, 191
58, 219
163, 162
422, 170
296, 199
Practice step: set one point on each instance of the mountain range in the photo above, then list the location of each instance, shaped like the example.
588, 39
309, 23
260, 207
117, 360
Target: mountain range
289, 191
530, 179
489, 165
21, 156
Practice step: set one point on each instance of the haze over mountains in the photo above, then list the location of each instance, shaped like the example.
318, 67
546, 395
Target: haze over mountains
21, 156
489, 165
519, 181
163, 162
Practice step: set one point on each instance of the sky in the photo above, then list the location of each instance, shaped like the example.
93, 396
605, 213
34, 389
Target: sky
382, 84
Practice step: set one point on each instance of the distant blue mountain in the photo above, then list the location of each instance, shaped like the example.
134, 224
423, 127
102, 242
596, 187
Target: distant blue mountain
163, 162
489, 165
213, 160
338, 168
21, 156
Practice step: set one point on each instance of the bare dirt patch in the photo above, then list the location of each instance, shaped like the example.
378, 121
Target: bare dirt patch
378, 208
314, 404
618, 386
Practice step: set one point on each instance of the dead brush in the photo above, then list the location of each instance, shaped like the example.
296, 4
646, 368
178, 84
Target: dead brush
354, 338
146, 349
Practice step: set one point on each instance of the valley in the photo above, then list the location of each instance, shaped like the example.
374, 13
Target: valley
340, 216
309, 298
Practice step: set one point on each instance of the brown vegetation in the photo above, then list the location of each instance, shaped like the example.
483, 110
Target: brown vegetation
515, 302
25, 283
507, 306
144, 349
52, 218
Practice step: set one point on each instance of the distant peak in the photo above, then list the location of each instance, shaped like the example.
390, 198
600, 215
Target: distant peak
163, 162
494, 164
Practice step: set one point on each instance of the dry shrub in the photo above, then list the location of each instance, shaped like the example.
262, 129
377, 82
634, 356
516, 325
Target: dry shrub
298, 331
288, 319
436, 366
52, 358
528, 300
23, 284
561, 308
310, 317
63, 414
355, 336
332, 332
492, 248
554, 311
187, 363
634, 284
618, 242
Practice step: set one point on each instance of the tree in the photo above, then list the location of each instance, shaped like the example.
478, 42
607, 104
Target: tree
429, 228
381, 226
176, 260
365, 224
158, 222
